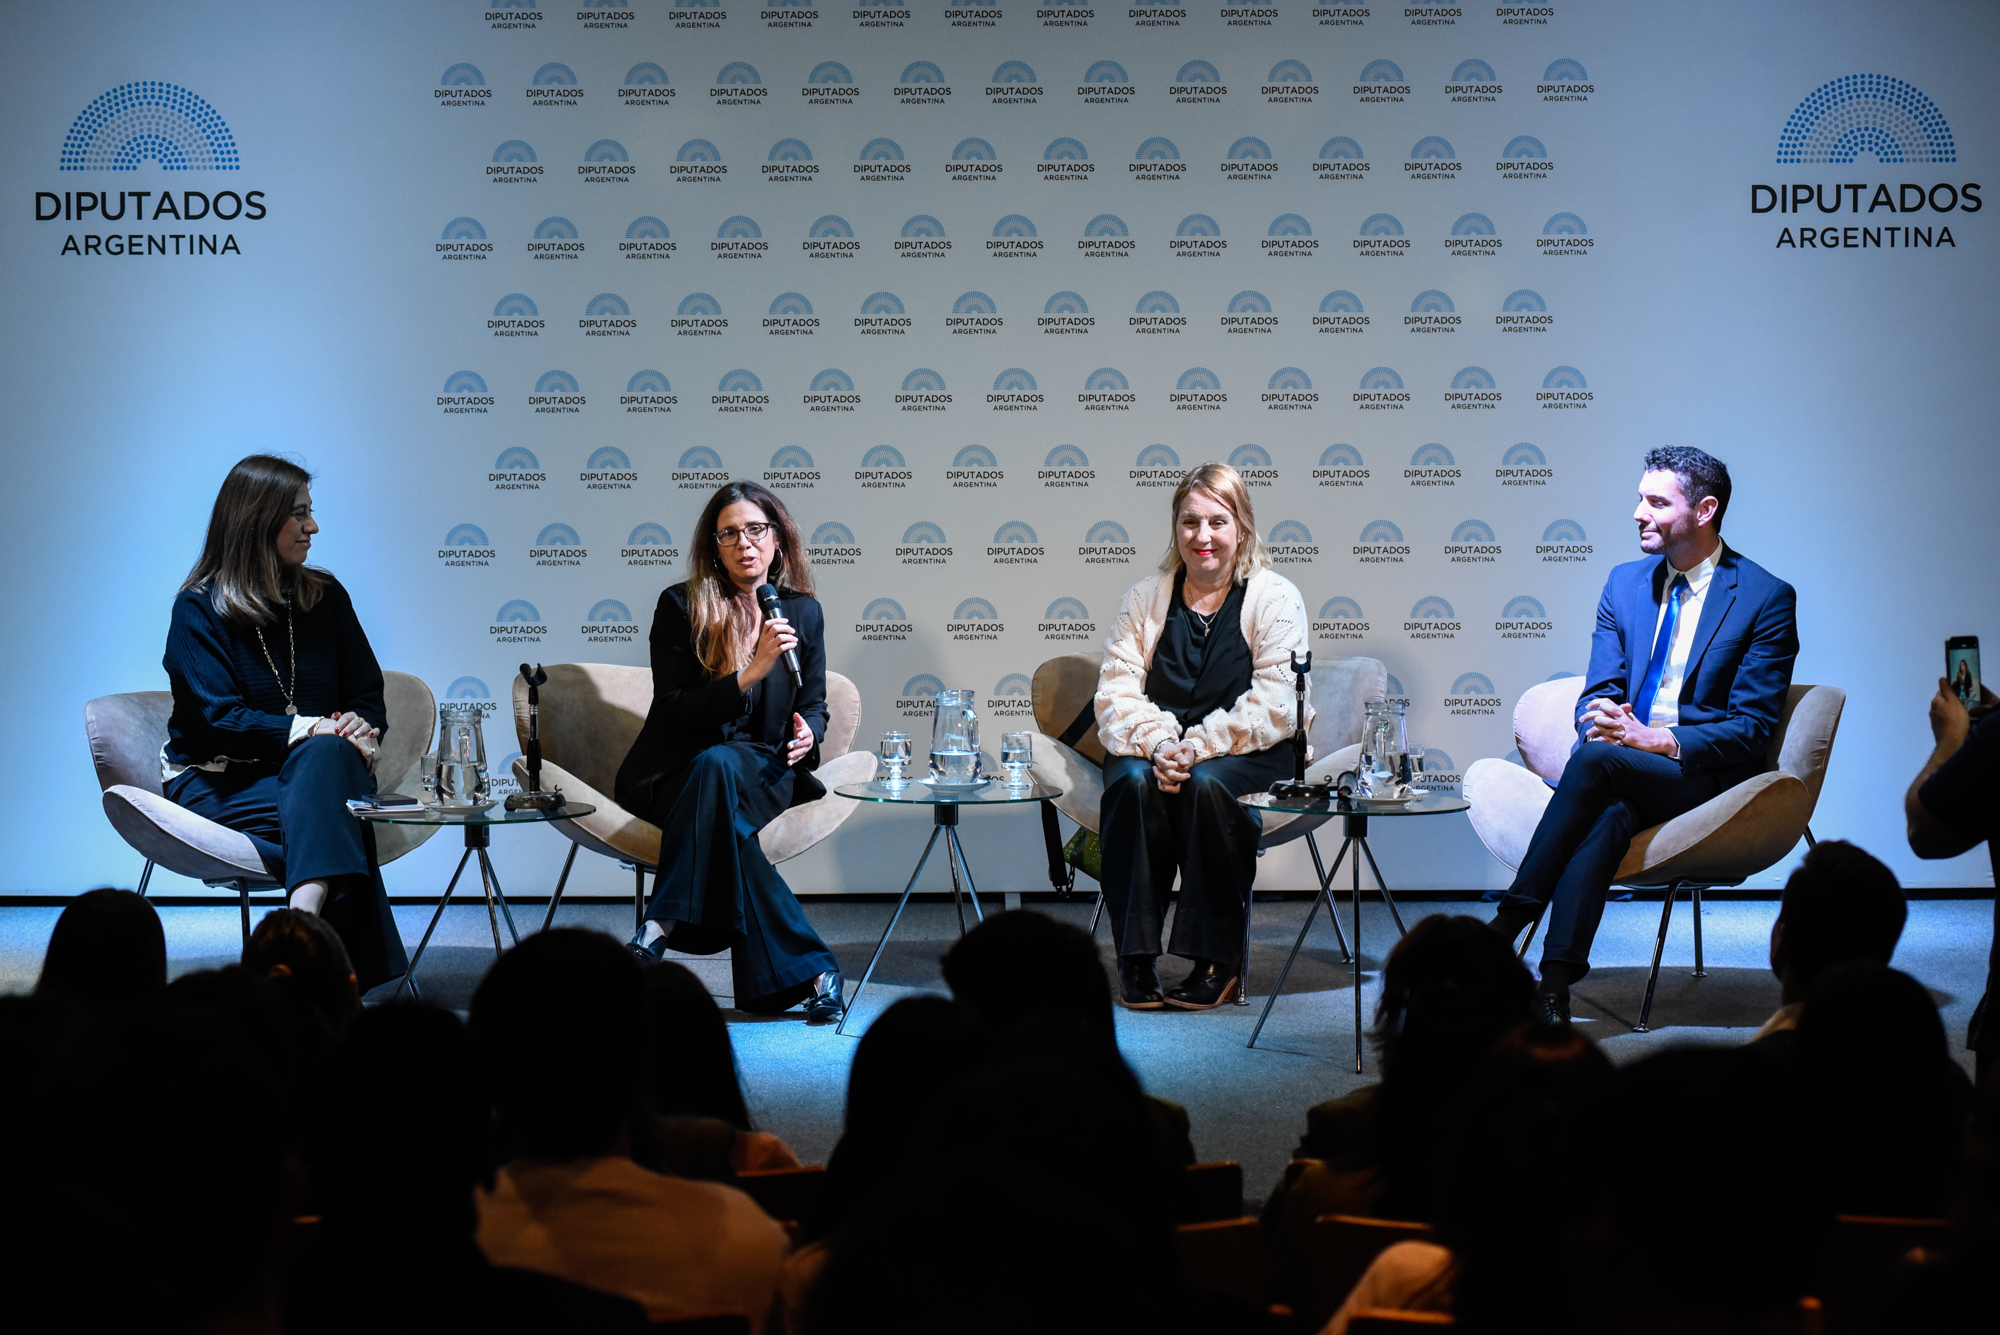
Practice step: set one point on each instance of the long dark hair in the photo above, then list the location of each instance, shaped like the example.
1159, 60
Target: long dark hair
694, 1064
720, 618
239, 565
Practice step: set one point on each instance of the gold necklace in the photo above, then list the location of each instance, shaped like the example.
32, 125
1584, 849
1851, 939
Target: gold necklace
292, 647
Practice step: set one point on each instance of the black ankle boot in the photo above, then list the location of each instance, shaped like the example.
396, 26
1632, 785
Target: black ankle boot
1138, 983
1206, 987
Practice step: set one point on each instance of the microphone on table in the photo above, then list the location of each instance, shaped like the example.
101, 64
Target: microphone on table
767, 599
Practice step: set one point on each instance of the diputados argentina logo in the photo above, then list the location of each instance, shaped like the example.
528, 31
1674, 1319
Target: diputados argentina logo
165, 124
1891, 121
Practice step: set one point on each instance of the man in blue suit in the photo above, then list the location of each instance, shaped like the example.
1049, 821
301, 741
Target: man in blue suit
1689, 667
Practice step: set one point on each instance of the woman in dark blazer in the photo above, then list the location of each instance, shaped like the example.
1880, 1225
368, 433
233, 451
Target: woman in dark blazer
728, 746
278, 711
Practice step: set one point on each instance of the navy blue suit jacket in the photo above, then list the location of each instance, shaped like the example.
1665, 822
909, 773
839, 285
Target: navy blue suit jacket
1739, 666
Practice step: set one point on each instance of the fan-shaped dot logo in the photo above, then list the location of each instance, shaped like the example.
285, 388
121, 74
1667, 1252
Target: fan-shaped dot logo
1565, 71
1065, 303
1473, 685
698, 150
462, 75
1381, 71
1473, 377
1106, 71
1432, 609
1197, 71
514, 151
1158, 456
1341, 609
1524, 299
974, 150
1340, 456
1381, 224
1866, 113
607, 305
882, 303
1473, 530
1289, 224
1523, 455
1106, 224
832, 381
1014, 71
1066, 456
149, 121
829, 73
1250, 149
649, 535
1014, 533
1289, 380
1157, 149
1474, 224
1158, 303
699, 304
608, 611
1289, 71
1431, 301
974, 456
1290, 533
737, 74
834, 534
647, 228
881, 150
466, 535
1340, 303
464, 229
789, 150
1066, 609
516, 459
1524, 148
1564, 377
1472, 71
1565, 531
556, 382
923, 533
791, 303
1014, 685
791, 458
1065, 150
1381, 378
558, 535
1106, 533
1380, 532
739, 381
699, 459
1249, 303
1340, 148
923, 225
465, 382
975, 609
1013, 225
829, 226
608, 459
555, 229
606, 150
646, 74
1564, 224
513, 612
919, 73
514, 306
922, 687
883, 456
1432, 456
1198, 224
974, 303
1432, 148
1106, 380
468, 688
1524, 608
923, 380
555, 74
1014, 380
648, 382
1249, 456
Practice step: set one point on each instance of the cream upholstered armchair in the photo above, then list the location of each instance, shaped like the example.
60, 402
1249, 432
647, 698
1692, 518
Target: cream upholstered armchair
591, 714
1064, 693
1732, 836
126, 733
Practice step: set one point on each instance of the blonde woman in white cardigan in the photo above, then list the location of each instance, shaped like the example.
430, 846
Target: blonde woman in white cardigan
1194, 707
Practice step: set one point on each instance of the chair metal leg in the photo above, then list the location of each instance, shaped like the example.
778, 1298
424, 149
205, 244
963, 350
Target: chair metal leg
144, 877
848, 1012
1333, 915
1098, 916
1659, 947
1694, 897
638, 898
1810, 841
556, 899
243, 901
1243, 967
1326, 880
1533, 927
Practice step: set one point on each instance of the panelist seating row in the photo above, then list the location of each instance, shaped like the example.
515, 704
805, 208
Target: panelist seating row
1723, 842
591, 714
126, 733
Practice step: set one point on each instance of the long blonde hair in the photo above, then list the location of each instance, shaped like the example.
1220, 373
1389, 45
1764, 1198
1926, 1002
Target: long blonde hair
721, 619
239, 567
1223, 485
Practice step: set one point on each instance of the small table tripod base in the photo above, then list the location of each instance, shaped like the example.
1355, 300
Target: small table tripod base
944, 822
478, 838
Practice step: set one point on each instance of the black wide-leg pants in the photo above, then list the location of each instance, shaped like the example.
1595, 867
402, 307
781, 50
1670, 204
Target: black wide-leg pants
1202, 833
717, 891
1608, 794
297, 817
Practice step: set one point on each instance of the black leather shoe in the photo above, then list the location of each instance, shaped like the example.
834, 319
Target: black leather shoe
1552, 1007
825, 1005
651, 953
1138, 983
1206, 987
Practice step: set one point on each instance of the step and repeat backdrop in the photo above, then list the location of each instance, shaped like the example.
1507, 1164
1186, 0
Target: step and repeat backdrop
970, 286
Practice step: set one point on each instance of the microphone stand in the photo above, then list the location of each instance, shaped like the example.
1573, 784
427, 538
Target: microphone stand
534, 799
1296, 788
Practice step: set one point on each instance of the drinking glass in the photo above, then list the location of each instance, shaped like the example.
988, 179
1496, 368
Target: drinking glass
1416, 755
1017, 752
429, 763
895, 754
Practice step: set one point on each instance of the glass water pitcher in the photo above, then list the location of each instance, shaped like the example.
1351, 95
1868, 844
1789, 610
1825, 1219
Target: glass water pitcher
955, 738
461, 757
1385, 737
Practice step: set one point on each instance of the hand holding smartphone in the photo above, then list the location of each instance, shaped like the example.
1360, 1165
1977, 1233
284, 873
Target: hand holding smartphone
1961, 668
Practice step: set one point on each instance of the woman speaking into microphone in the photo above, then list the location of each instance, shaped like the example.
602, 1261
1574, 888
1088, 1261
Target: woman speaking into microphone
730, 743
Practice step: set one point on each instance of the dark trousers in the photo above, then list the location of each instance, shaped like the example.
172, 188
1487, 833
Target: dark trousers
297, 817
717, 891
1201, 832
1608, 794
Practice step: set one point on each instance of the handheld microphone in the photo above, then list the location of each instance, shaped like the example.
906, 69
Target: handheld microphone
767, 599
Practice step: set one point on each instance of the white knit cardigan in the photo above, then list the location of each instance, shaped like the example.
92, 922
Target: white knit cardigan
1274, 626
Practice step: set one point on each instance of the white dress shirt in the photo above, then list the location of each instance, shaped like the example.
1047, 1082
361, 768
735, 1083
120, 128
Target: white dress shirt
1667, 702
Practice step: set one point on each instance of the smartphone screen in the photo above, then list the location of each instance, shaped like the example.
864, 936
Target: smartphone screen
1961, 667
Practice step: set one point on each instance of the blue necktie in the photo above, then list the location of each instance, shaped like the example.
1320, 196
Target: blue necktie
1662, 644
